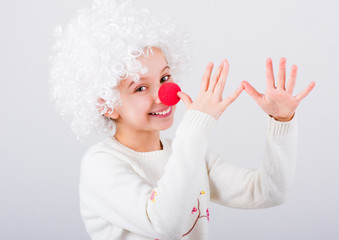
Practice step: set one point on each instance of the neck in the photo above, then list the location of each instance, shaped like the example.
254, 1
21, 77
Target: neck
140, 142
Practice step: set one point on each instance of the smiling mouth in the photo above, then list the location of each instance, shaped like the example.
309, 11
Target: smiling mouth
163, 113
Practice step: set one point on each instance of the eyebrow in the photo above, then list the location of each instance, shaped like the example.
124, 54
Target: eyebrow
144, 78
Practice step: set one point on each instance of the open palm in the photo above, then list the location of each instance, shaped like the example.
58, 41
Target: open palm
278, 101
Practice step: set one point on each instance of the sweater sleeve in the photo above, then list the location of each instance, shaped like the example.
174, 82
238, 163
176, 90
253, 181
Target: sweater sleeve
268, 186
112, 189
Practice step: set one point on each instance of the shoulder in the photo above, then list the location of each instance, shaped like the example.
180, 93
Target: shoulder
105, 158
100, 146
103, 150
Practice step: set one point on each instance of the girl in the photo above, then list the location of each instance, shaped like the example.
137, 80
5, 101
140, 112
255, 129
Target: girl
107, 69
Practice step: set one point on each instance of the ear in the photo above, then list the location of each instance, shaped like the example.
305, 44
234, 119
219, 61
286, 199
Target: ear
114, 115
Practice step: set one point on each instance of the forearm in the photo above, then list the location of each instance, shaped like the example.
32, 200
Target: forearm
240, 187
279, 163
180, 186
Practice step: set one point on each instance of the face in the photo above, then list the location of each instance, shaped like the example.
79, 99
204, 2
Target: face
141, 109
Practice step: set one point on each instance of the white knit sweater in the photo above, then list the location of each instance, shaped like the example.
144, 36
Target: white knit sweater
164, 194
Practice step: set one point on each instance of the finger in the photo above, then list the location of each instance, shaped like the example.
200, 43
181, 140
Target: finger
251, 91
220, 86
206, 77
215, 77
282, 74
292, 80
305, 92
269, 74
230, 99
187, 100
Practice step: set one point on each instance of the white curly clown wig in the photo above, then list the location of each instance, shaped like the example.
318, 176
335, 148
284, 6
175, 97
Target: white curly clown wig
99, 48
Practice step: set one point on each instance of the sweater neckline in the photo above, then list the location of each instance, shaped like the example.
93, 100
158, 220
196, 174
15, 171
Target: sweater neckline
156, 153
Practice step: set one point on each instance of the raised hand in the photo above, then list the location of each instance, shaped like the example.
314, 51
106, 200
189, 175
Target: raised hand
278, 100
209, 99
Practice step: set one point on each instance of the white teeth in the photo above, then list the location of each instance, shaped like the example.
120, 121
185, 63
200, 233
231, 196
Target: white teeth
162, 113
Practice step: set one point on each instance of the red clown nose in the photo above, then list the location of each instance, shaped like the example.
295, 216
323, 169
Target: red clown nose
168, 94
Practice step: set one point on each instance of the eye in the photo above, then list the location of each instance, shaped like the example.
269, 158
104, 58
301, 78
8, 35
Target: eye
140, 89
165, 78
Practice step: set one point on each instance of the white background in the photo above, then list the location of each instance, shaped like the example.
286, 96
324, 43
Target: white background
40, 158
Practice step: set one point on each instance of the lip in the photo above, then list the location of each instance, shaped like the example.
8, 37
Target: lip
161, 110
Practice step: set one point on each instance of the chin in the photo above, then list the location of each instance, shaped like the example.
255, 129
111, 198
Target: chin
164, 128
167, 125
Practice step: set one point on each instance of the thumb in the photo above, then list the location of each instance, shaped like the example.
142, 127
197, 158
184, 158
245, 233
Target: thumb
185, 98
251, 90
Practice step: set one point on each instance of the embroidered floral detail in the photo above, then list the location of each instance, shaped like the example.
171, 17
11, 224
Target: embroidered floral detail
153, 194
199, 215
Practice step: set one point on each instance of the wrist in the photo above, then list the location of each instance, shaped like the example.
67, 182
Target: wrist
283, 119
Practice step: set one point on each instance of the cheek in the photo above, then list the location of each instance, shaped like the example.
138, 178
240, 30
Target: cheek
139, 104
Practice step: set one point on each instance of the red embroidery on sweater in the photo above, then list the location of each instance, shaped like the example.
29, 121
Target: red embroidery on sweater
193, 211
153, 194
